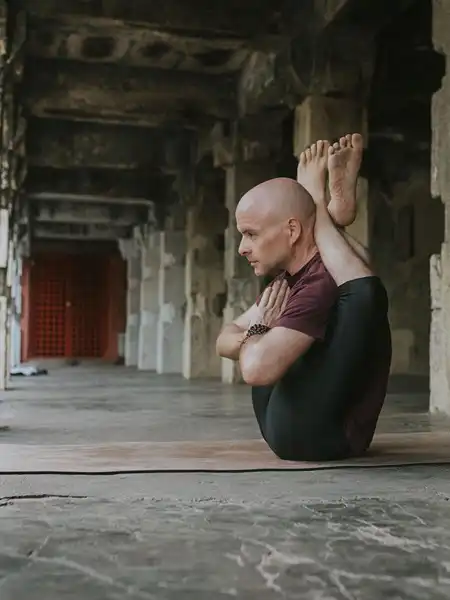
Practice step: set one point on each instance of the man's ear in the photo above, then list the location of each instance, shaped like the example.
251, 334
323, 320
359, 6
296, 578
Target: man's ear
295, 230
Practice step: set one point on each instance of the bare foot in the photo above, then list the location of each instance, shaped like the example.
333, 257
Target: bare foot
312, 170
344, 161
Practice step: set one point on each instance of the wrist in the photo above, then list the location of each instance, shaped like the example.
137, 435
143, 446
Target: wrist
255, 330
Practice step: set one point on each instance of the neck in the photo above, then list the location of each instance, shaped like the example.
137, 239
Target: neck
301, 256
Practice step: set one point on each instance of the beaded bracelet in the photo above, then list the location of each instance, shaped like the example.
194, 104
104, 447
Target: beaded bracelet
256, 329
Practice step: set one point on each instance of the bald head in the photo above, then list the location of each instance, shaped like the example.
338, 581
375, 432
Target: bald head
276, 222
278, 199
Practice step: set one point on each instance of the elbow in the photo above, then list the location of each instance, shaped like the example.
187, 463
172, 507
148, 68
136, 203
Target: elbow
256, 379
253, 379
254, 375
221, 349
218, 347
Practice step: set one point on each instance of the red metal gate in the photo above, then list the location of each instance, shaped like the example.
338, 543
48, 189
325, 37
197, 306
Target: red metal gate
67, 316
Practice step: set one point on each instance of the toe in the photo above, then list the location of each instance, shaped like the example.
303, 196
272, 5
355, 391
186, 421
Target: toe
357, 141
320, 148
302, 160
308, 154
336, 146
313, 150
348, 139
330, 150
343, 142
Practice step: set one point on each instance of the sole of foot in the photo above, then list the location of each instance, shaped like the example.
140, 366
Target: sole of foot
312, 169
344, 162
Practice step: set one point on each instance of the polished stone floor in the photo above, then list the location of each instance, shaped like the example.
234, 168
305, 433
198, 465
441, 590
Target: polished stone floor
359, 534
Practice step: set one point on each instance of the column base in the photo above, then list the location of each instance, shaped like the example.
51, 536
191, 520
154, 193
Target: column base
3, 343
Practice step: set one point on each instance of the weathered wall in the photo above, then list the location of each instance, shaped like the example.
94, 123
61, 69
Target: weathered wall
406, 223
172, 301
131, 252
205, 286
407, 227
440, 188
148, 324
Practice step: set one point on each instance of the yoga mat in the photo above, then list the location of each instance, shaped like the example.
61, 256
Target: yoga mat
211, 456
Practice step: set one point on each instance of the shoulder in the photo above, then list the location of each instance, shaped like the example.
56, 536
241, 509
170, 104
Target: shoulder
316, 280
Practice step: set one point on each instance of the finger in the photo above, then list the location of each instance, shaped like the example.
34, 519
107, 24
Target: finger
280, 294
285, 299
273, 296
283, 296
266, 295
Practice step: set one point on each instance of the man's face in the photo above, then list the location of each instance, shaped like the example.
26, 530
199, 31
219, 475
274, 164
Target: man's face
266, 242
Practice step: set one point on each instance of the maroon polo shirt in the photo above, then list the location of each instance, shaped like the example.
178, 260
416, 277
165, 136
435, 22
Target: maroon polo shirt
313, 296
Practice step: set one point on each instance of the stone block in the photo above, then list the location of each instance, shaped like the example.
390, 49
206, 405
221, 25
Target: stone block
320, 117
205, 284
403, 344
441, 26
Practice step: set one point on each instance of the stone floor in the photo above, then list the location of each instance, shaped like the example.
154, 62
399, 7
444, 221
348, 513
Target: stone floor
355, 534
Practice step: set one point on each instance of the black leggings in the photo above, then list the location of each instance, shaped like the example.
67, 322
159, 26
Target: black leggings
303, 416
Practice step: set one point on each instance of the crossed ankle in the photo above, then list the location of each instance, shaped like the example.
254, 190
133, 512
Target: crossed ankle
320, 200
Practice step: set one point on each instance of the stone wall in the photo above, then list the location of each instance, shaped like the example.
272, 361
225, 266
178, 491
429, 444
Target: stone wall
406, 223
205, 286
407, 228
440, 188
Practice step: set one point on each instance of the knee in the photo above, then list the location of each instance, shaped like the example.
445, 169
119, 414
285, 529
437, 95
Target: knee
369, 294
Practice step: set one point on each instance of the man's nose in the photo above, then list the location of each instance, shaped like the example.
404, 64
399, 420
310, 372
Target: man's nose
242, 248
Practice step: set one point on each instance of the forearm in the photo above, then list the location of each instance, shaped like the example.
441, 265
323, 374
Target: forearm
259, 365
229, 341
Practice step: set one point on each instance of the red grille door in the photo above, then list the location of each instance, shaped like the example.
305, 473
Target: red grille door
68, 318
87, 319
48, 301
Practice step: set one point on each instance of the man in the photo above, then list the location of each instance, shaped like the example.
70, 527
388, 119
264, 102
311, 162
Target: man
316, 346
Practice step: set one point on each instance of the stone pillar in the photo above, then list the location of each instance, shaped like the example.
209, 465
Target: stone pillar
149, 302
5, 222
4, 252
320, 117
247, 154
242, 285
172, 303
16, 308
131, 252
205, 282
440, 187
12, 170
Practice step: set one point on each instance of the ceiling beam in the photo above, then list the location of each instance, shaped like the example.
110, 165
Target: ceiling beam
68, 145
61, 231
109, 41
231, 17
111, 184
115, 92
176, 120
76, 213
87, 199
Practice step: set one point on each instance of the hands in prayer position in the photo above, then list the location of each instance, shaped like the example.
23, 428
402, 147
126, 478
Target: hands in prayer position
272, 304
